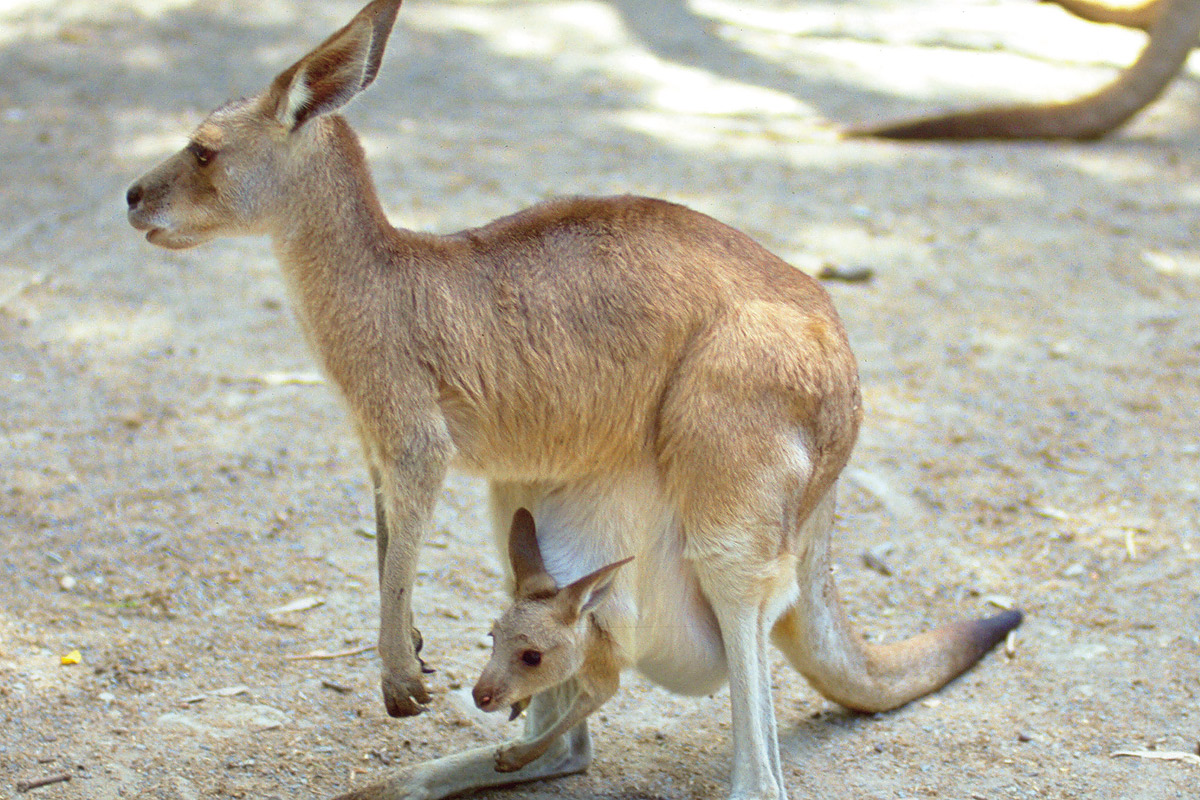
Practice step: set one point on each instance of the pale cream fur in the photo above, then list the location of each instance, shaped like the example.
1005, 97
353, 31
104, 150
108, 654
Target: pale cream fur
648, 380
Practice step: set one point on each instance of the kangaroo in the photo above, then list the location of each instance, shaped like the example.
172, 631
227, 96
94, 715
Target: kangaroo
645, 378
551, 635
1173, 27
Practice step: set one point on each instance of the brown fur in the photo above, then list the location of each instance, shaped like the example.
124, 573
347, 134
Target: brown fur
1173, 27
645, 378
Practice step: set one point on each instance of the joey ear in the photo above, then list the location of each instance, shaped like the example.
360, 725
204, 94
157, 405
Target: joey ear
524, 553
336, 70
586, 593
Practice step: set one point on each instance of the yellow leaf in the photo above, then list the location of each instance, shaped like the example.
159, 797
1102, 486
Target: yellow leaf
73, 657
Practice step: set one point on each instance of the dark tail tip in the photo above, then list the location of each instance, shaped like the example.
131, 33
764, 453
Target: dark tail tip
960, 127
988, 632
1013, 123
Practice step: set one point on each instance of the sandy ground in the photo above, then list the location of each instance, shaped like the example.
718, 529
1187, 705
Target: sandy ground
172, 479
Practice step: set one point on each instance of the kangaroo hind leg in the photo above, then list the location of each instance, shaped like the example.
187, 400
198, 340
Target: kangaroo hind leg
757, 771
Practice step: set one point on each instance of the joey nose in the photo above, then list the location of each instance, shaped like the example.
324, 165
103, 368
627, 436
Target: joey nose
483, 698
134, 195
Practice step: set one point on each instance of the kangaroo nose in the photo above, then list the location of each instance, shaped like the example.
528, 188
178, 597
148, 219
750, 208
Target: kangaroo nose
482, 697
134, 195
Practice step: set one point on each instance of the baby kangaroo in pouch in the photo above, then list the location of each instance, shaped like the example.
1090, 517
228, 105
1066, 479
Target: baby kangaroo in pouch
648, 381
547, 637
550, 636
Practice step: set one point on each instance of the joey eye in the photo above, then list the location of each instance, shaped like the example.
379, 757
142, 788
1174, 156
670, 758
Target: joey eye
203, 155
531, 658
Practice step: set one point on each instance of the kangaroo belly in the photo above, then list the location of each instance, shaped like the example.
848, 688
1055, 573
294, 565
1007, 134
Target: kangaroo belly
679, 644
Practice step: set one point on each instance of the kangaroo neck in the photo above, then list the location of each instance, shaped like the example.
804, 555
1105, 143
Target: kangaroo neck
332, 227
344, 266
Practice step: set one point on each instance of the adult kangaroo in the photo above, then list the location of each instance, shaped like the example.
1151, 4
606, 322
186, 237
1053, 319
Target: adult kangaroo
642, 376
1173, 27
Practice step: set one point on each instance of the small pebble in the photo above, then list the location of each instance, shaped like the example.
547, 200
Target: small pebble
1074, 571
1061, 350
875, 558
67, 583
835, 272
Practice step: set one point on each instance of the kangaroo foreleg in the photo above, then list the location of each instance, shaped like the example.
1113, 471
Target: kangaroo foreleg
589, 695
757, 772
410, 478
381, 542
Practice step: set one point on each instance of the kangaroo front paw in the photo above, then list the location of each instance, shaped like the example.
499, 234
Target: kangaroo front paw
404, 697
511, 758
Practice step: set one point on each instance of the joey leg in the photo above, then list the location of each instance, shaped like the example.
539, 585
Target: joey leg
586, 699
476, 768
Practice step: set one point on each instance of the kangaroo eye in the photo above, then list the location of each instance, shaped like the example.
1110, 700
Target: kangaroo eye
531, 658
202, 154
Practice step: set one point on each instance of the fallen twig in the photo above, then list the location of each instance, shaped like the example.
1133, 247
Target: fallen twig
899, 504
37, 783
324, 654
875, 558
300, 604
1161, 755
1049, 512
288, 379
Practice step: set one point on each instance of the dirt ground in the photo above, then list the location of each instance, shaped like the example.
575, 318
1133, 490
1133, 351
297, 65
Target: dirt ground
174, 478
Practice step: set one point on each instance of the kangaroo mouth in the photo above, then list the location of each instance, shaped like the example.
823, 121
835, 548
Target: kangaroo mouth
171, 241
162, 236
517, 708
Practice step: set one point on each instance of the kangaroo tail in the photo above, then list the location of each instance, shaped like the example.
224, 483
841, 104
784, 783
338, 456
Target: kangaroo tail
818, 640
1173, 33
880, 677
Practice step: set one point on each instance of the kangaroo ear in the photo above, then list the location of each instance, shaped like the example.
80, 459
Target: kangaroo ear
336, 70
586, 593
525, 555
